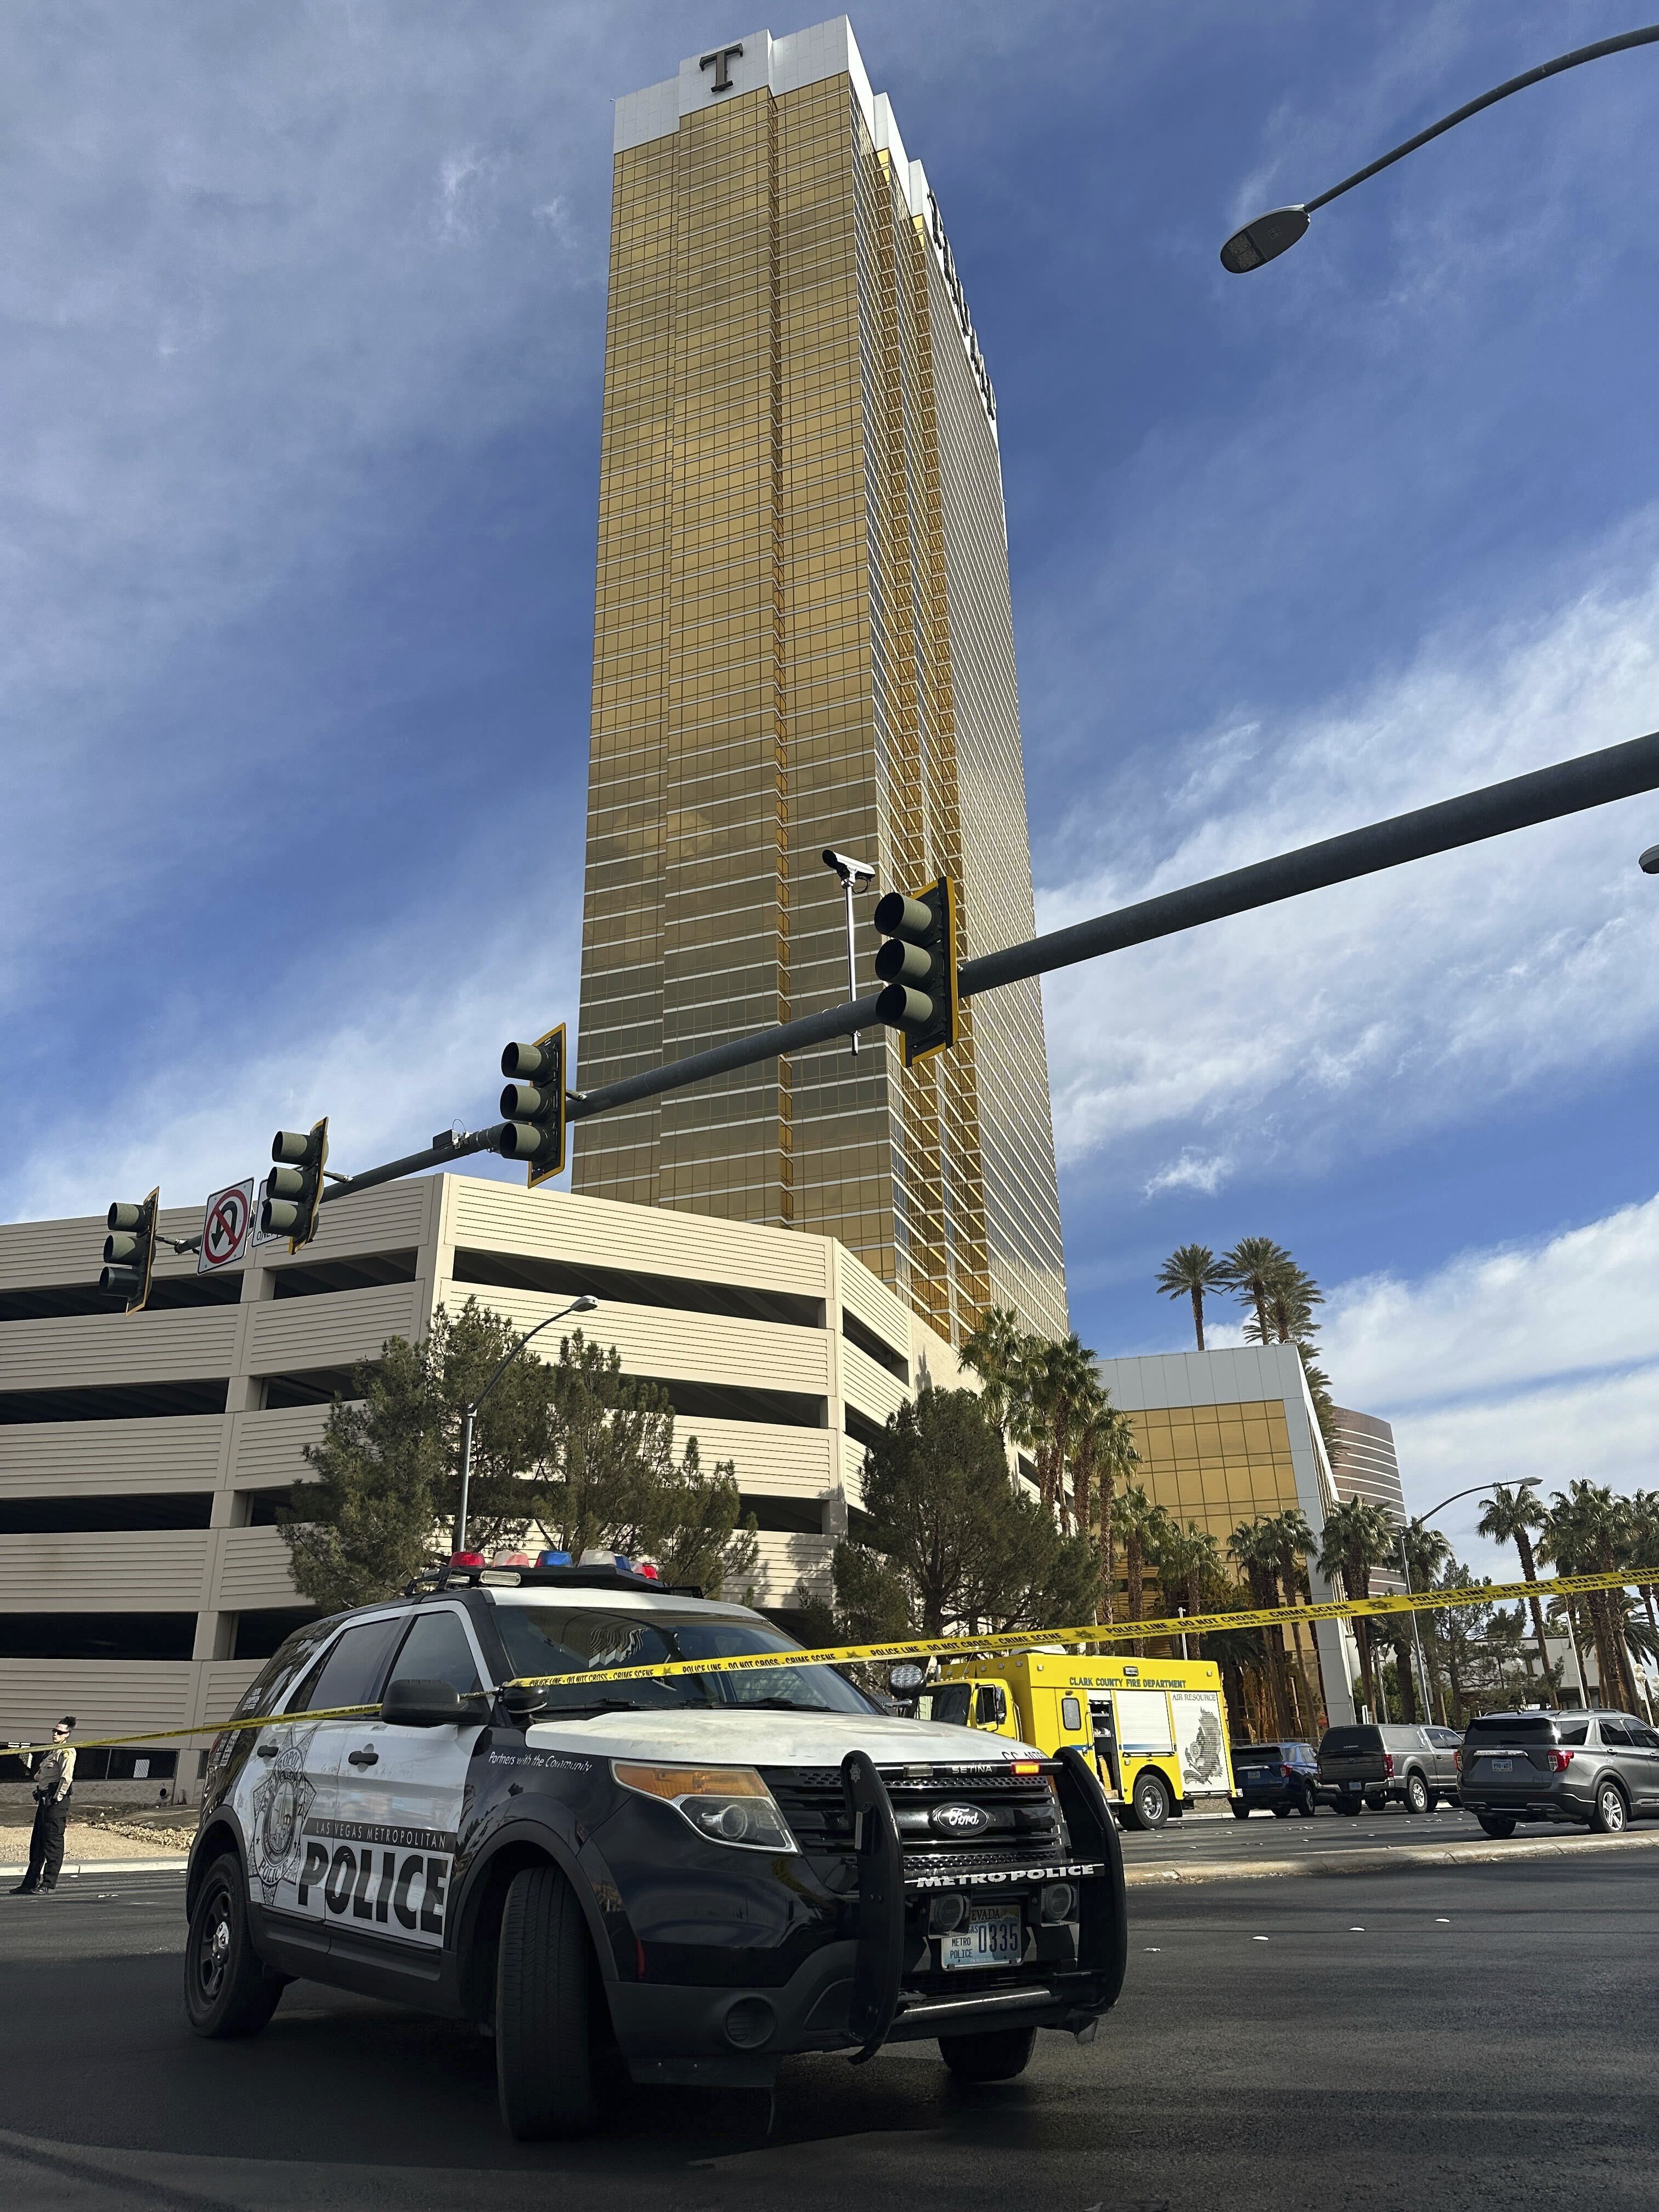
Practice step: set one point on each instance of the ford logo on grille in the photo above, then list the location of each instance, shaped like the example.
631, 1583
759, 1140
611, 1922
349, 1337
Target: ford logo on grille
959, 1820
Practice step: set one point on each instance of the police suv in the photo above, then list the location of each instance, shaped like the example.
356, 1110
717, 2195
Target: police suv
687, 1878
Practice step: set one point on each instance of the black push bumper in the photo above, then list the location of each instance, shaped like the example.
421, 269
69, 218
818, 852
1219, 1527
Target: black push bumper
852, 1995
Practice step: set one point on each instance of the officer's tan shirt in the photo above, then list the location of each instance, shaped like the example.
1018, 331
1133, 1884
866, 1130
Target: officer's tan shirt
55, 1773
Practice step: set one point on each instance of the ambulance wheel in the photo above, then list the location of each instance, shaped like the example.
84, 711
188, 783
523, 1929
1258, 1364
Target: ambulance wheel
228, 1992
543, 2067
997, 2057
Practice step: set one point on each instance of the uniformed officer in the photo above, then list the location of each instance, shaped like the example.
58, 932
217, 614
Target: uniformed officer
54, 1778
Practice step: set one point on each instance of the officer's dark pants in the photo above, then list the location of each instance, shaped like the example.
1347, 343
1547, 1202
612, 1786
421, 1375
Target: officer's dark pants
46, 1844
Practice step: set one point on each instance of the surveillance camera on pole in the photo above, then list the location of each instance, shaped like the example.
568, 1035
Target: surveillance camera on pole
854, 876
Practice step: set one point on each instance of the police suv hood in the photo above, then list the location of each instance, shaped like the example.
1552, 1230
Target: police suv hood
735, 1737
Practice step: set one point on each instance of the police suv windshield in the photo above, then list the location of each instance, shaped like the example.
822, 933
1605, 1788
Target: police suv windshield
570, 1640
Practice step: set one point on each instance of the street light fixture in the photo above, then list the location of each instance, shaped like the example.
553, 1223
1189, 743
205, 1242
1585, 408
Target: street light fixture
855, 876
586, 1304
1265, 237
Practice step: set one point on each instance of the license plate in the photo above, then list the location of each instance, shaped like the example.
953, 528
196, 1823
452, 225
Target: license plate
992, 1938
1501, 1765
1252, 1774
1355, 1786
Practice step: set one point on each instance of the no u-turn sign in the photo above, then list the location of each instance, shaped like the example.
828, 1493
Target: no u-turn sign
225, 1221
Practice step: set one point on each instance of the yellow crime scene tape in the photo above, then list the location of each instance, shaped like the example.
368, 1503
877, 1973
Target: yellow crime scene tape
961, 1646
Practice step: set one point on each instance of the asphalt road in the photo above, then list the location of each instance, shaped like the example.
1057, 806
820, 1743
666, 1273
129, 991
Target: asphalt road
1481, 2037
1193, 1841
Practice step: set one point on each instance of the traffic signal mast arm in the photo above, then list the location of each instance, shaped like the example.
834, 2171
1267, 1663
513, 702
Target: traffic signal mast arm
1545, 795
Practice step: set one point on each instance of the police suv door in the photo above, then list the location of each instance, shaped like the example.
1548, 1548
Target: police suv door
285, 1793
399, 1796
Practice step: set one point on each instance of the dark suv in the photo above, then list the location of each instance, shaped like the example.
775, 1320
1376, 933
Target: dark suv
1595, 1770
1280, 1779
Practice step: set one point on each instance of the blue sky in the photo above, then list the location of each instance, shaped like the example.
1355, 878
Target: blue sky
303, 317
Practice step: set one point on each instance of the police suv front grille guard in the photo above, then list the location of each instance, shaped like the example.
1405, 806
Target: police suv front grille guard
1095, 1862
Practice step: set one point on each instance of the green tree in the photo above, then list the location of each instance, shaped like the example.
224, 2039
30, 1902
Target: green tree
1141, 1523
575, 1447
1185, 1558
1509, 1517
1190, 1271
1357, 1537
1588, 1532
1102, 1455
1256, 1267
1062, 1389
972, 1550
1257, 1545
999, 1350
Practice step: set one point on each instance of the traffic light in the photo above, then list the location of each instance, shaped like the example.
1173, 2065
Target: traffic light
292, 1193
918, 965
532, 1105
130, 1251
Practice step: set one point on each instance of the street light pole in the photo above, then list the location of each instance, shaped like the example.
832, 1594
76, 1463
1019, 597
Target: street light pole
585, 1303
1265, 237
1422, 1520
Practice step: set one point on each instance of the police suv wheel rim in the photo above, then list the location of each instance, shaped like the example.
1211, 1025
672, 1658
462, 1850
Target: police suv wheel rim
1613, 1808
213, 1956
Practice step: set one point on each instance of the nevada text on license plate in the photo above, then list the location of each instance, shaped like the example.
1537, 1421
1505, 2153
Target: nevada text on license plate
992, 1938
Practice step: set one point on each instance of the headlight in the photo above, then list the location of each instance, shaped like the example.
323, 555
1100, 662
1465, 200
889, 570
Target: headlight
727, 1804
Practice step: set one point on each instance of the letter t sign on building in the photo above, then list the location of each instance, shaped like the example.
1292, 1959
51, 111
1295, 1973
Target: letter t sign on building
722, 74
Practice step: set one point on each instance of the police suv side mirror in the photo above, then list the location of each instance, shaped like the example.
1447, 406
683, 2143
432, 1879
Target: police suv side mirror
427, 1704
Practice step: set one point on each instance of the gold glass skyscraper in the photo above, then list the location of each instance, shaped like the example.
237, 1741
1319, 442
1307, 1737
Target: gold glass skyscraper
802, 638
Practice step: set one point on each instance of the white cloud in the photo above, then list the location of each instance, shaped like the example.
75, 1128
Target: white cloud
1194, 1170
1530, 1359
420, 1049
1342, 1022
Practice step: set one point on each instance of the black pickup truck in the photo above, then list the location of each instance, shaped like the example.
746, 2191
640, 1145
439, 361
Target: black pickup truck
695, 1875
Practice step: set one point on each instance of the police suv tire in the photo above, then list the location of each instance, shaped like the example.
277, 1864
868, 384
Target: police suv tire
228, 1992
1149, 1803
998, 2056
1307, 1805
1281, 1811
544, 2065
1496, 1825
1417, 1797
1240, 1812
1610, 1815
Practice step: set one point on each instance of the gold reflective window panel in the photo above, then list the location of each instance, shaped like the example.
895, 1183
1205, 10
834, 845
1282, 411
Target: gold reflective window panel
803, 638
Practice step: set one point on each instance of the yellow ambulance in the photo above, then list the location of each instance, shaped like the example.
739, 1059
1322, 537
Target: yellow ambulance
1158, 1727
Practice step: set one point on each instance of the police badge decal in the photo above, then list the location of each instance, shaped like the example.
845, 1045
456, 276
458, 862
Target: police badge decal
280, 1805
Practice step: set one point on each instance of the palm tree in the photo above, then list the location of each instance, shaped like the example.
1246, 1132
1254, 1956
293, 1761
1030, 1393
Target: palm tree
1184, 1557
1102, 1450
998, 1350
1291, 1297
1256, 1547
1426, 1553
1289, 1539
1510, 1518
1645, 1550
1061, 1385
1256, 1267
1188, 1273
1357, 1537
1587, 1533
1141, 1523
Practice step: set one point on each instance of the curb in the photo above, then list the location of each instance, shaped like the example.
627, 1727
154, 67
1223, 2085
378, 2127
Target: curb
72, 1867
1402, 1859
